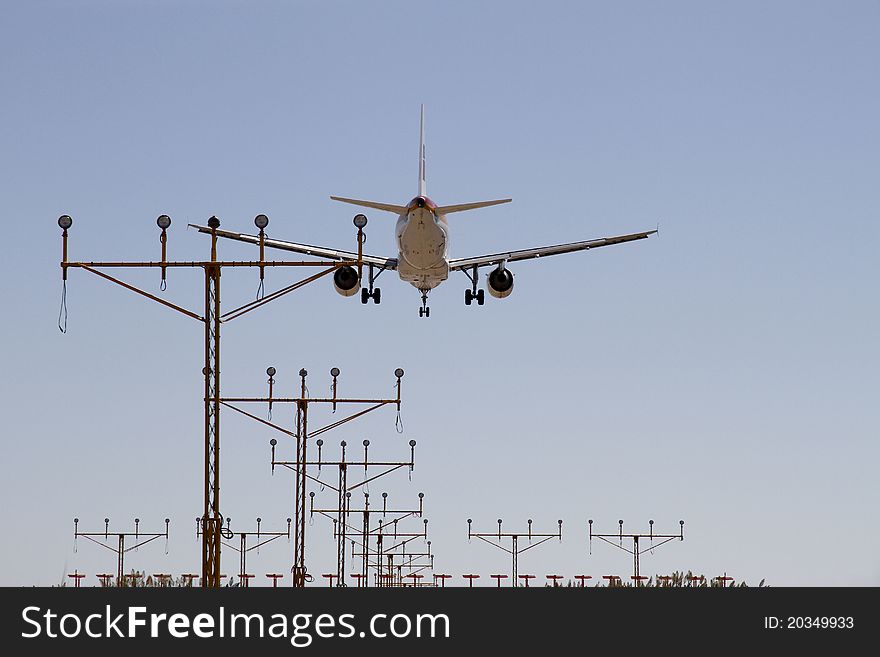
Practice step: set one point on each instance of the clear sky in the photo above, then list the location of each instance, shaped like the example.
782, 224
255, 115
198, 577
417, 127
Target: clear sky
724, 372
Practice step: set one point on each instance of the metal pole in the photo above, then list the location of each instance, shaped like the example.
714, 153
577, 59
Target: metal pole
120, 561
212, 519
299, 538
636, 556
341, 522
514, 554
243, 558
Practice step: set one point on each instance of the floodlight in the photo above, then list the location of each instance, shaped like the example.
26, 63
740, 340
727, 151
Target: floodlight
360, 220
164, 221
64, 221
398, 373
261, 221
412, 443
366, 443
270, 371
273, 442
320, 442
213, 222
334, 372
303, 372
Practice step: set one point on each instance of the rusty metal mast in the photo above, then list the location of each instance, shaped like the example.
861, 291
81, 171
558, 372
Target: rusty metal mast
514, 537
212, 530
636, 550
302, 435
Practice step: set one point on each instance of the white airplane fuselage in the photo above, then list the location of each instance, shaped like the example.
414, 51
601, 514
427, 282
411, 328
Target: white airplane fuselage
423, 245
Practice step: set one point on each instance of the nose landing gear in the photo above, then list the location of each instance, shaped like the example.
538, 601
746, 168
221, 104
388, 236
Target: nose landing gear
424, 311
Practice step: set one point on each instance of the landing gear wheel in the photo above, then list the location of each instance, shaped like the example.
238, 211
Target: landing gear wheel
365, 295
421, 312
481, 297
377, 296
468, 297
427, 312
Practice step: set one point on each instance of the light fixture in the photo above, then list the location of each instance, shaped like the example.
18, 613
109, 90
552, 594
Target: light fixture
398, 372
270, 371
65, 222
164, 221
360, 220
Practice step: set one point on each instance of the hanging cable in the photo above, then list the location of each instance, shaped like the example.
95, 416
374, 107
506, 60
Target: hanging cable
261, 291
62, 314
163, 285
398, 423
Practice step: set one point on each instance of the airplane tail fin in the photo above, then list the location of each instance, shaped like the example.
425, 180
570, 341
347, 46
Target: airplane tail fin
461, 207
423, 187
387, 207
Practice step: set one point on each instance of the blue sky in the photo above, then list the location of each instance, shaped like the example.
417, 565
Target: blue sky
724, 372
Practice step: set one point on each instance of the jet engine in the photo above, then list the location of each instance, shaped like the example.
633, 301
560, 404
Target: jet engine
346, 281
500, 283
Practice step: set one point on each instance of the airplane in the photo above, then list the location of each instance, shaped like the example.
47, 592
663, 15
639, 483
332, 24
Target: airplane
423, 260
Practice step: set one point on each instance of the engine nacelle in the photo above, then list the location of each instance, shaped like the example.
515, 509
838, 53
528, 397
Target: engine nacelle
500, 283
346, 281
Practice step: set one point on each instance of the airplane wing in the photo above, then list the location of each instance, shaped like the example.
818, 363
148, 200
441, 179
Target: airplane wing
540, 252
305, 249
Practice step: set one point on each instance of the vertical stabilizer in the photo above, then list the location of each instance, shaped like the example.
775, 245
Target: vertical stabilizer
422, 185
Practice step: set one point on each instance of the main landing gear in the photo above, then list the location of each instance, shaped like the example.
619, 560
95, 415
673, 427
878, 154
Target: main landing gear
473, 294
424, 311
371, 293
470, 296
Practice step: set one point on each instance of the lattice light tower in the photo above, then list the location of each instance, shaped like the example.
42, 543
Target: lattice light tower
302, 434
390, 543
515, 548
141, 538
243, 548
343, 487
637, 549
211, 319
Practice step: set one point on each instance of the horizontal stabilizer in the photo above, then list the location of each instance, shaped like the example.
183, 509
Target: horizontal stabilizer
387, 207
446, 209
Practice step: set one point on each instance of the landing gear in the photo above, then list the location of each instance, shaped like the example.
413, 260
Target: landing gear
473, 293
478, 296
424, 311
375, 295
371, 293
